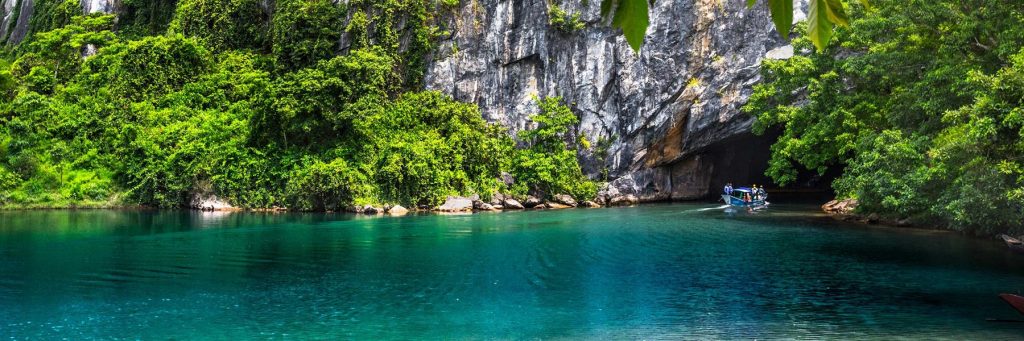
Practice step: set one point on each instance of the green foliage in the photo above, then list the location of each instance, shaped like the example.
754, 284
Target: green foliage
48, 15
563, 21
550, 166
210, 108
632, 17
223, 24
925, 122
305, 32
316, 185
148, 67
138, 18
403, 29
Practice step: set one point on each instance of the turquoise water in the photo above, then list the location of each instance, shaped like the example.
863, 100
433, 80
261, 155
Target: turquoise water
648, 272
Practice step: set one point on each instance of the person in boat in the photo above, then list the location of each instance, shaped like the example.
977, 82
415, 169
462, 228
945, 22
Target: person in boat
761, 193
753, 192
728, 188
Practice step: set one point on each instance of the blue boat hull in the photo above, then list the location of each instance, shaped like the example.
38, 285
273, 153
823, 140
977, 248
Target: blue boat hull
734, 201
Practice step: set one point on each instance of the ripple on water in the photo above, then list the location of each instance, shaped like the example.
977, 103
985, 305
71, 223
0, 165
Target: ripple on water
651, 272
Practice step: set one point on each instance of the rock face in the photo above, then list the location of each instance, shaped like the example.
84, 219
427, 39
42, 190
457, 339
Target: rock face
14, 32
659, 111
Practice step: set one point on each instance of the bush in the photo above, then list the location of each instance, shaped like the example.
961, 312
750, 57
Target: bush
316, 185
223, 24
305, 32
550, 166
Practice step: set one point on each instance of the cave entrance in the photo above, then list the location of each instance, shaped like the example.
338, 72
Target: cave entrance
743, 160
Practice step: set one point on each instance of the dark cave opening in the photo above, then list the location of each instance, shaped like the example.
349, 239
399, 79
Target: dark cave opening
743, 161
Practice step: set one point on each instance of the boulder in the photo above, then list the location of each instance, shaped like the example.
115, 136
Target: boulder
840, 207
369, 209
512, 204
497, 199
531, 202
623, 200
456, 204
507, 179
397, 210
555, 205
589, 203
565, 199
482, 206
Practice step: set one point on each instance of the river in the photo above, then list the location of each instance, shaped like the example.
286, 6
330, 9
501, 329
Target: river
667, 271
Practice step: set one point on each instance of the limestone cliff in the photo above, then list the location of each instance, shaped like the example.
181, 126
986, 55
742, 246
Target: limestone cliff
655, 118
664, 123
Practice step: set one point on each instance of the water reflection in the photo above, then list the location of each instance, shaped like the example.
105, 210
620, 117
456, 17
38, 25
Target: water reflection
653, 271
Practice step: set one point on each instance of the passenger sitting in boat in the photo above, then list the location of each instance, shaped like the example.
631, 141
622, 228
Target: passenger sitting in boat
746, 197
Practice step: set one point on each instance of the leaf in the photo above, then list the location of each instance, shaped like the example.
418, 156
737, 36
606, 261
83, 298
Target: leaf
751, 3
837, 13
782, 15
819, 28
866, 4
632, 17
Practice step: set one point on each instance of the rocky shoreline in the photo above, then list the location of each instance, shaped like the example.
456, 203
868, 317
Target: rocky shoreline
845, 210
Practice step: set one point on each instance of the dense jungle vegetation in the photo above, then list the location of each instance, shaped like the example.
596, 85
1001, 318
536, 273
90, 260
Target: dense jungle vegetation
921, 103
260, 106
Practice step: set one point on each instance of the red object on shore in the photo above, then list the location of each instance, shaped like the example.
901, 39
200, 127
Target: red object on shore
1015, 301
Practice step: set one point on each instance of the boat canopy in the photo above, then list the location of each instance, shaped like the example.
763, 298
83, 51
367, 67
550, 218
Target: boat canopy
742, 189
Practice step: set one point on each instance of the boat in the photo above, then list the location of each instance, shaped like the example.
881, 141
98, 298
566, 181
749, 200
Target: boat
736, 198
1015, 301
1014, 244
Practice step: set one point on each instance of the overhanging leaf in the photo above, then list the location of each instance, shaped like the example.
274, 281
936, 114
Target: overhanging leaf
837, 13
866, 4
631, 16
751, 3
782, 15
819, 28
